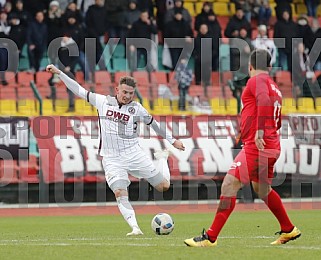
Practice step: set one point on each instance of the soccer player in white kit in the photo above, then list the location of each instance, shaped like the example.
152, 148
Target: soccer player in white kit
118, 119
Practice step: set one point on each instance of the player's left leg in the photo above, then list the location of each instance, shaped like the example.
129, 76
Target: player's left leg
272, 199
161, 163
262, 186
157, 174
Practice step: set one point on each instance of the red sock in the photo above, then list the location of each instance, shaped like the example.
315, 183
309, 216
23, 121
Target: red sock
274, 203
225, 208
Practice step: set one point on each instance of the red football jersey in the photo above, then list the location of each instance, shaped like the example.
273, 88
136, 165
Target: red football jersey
262, 102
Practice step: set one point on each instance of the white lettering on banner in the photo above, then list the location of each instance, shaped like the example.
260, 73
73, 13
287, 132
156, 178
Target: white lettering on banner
18, 137
203, 127
213, 154
183, 157
218, 127
217, 153
179, 126
86, 127
309, 163
286, 162
6, 128
23, 135
72, 160
93, 163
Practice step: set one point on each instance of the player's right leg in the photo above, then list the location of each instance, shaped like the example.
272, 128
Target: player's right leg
118, 181
237, 174
230, 187
126, 210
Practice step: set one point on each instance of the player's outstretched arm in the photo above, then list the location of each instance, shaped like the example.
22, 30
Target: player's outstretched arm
70, 83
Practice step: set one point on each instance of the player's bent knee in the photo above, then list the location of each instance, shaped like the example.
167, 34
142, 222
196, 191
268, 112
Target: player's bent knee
120, 192
230, 186
164, 186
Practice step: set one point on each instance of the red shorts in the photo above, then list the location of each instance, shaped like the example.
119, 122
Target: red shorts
252, 165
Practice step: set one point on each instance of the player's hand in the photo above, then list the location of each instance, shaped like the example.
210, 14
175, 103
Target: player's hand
179, 145
259, 141
53, 69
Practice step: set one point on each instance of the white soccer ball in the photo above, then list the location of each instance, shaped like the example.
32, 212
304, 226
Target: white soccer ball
162, 224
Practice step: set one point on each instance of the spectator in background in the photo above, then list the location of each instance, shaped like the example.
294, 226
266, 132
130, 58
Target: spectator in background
241, 48
2, 3
315, 34
304, 31
37, 36
54, 23
184, 77
285, 28
178, 28
281, 7
4, 33
72, 10
312, 6
264, 12
19, 20
302, 73
205, 16
232, 31
208, 17
178, 7
263, 42
75, 30
203, 47
141, 29
96, 28
64, 3
162, 7
246, 6
132, 15
7, 7
67, 65
148, 5
116, 18
235, 24
83, 5
33, 6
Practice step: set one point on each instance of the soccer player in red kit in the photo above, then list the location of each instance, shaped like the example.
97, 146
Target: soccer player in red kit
260, 122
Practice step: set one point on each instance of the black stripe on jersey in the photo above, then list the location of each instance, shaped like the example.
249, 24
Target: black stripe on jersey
100, 138
151, 121
88, 96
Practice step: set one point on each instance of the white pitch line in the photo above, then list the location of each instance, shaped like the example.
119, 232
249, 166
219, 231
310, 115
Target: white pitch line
140, 203
88, 244
288, 247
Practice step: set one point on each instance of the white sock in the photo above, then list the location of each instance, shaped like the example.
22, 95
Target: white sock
127, 211
162, 166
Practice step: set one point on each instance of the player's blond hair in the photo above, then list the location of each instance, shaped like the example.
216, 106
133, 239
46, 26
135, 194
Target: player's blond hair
129, 81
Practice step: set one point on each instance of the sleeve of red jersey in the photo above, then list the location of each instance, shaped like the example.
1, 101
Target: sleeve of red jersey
260, 90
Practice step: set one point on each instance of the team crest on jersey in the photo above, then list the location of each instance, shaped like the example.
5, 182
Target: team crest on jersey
131, 110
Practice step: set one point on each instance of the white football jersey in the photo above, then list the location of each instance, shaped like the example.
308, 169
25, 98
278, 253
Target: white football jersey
118, 124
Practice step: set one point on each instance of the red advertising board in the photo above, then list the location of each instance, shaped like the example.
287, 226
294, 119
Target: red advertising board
68, 146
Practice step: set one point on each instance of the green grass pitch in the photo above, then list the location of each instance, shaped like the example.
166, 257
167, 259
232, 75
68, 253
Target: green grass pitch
247, 235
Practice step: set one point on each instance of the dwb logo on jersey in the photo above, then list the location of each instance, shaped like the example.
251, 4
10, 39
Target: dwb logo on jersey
117, 117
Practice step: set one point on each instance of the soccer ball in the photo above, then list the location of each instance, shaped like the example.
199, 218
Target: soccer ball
162, 224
